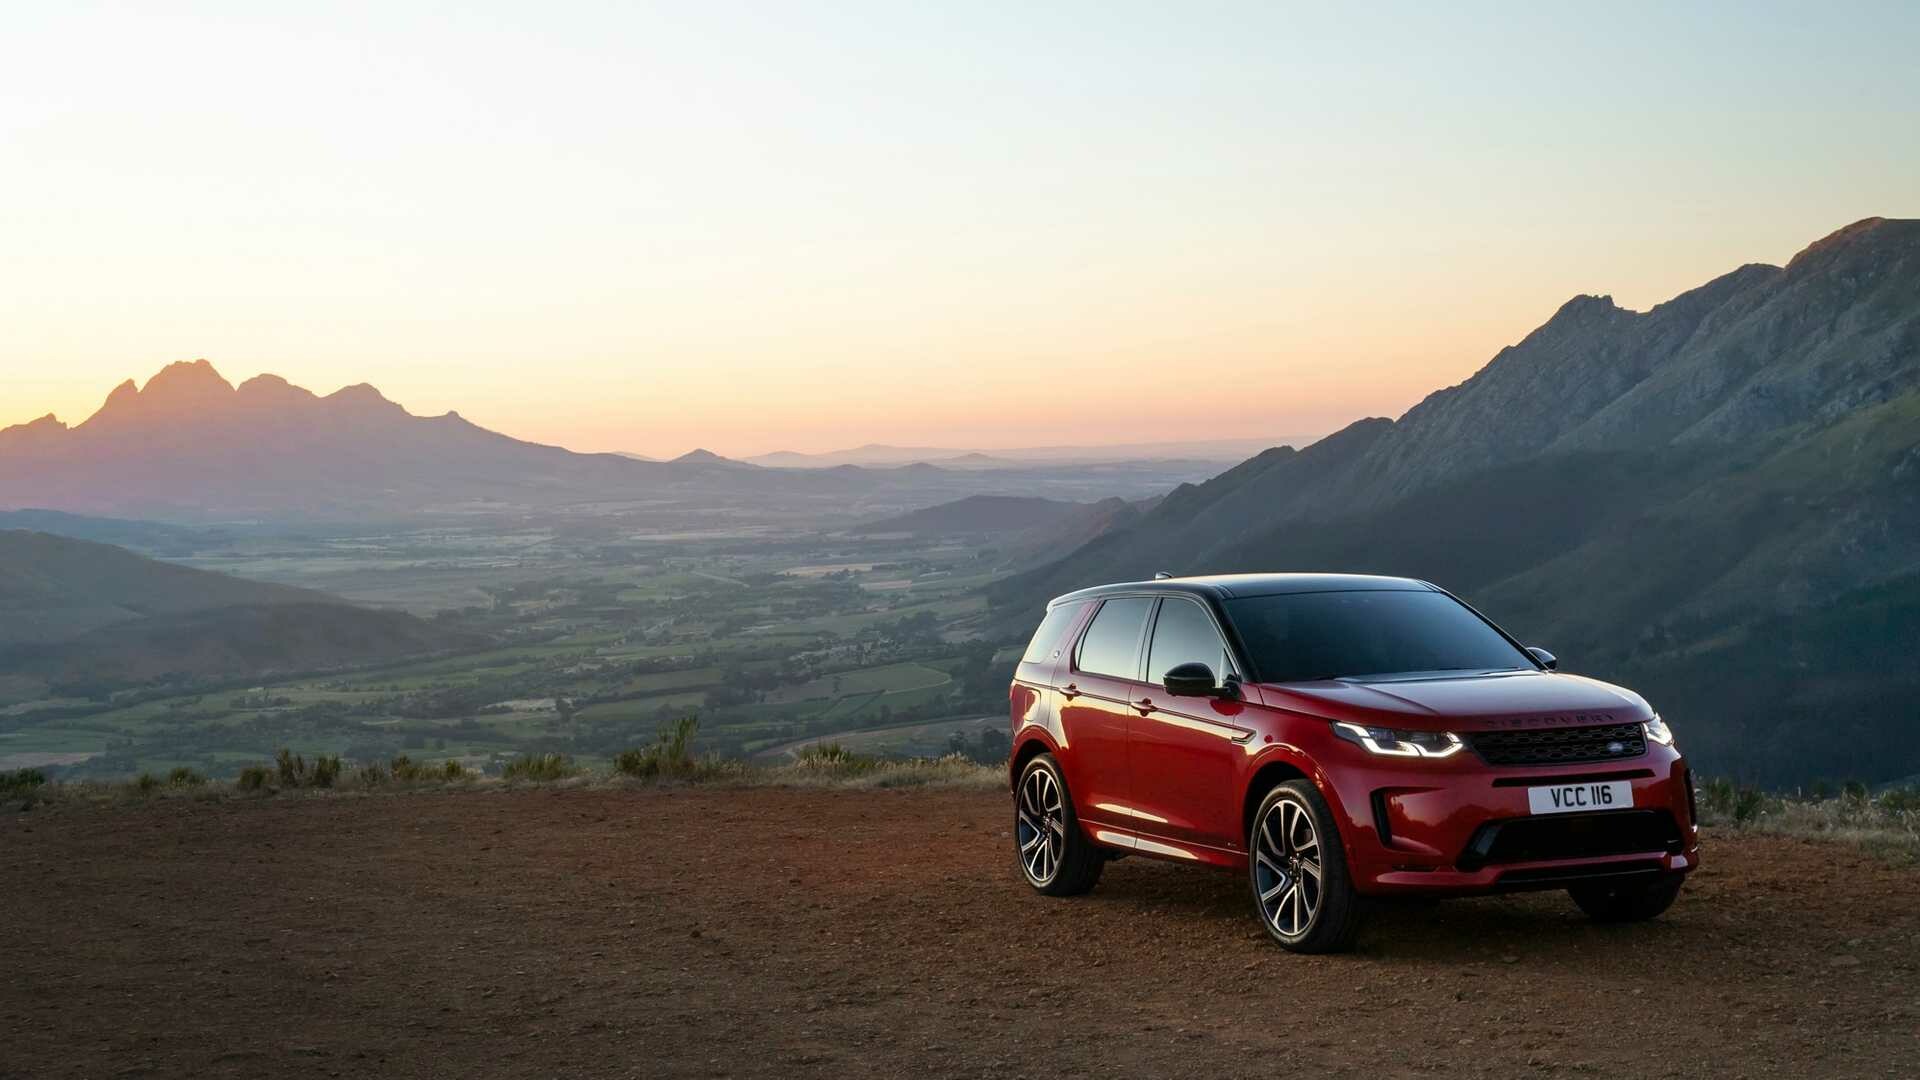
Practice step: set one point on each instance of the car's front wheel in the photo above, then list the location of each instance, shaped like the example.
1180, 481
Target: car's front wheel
1635, 901
1302, 892
1055, 857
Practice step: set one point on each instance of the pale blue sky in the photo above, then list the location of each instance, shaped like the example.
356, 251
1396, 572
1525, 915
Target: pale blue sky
650, 226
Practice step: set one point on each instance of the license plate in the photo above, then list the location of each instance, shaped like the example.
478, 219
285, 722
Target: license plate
1574, 798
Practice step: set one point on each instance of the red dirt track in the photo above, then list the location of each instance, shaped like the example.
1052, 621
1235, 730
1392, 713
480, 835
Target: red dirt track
780, 933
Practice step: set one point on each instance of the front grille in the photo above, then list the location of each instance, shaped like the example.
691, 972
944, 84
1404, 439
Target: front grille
1571, 836
1560, 746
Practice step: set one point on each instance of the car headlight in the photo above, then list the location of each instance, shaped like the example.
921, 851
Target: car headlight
1394, 743
1658, 731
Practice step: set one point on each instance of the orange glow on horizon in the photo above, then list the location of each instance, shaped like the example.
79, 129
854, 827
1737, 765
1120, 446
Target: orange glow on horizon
649, 227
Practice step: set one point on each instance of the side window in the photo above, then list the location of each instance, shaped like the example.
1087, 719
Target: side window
1111, 645
1046, 640
1183, 634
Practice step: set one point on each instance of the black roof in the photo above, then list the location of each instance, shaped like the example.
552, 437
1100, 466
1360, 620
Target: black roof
1228, 586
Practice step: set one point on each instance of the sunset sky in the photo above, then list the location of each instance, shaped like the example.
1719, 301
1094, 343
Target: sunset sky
650, 227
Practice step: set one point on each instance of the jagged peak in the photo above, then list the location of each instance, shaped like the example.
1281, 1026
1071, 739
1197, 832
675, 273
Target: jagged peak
191, 375
48, 422
1864, 231
1585, 305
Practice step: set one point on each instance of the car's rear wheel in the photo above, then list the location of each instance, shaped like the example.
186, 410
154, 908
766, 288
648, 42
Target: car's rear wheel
1055, 857
1302, 892
1633, 901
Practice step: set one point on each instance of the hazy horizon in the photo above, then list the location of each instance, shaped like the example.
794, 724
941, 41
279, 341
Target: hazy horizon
650, 229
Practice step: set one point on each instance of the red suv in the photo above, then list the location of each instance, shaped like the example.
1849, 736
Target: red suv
1335, 737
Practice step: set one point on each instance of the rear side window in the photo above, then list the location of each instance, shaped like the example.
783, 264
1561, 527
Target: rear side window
1046, 640
1111, 645
1184, 634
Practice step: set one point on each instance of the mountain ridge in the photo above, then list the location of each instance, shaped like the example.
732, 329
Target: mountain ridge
1634, 490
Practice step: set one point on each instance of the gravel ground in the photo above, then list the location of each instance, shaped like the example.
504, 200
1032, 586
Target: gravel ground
799, 933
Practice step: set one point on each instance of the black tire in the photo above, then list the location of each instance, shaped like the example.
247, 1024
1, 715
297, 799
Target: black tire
1630, 901
1054, 856
1292, 836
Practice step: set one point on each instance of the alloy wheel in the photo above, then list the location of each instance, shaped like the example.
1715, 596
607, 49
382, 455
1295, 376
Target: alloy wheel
1287, 875
1040, 826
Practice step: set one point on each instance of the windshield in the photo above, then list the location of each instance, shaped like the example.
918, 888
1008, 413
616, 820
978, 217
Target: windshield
1302, 637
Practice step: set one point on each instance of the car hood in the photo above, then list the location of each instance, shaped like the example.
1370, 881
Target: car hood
1479, 702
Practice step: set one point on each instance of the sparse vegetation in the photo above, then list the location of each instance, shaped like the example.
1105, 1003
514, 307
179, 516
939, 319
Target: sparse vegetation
540, 767
21, 782
671, 757
833, 756
184, 777
1887, 824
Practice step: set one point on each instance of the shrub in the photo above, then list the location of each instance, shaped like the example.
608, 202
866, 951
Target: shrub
145, 783
21, 781
539, 767
372, 774
405, 769
451, 770
253, 778
835, 757
670, 756
644, 764
294, 770
182, 776
325, 771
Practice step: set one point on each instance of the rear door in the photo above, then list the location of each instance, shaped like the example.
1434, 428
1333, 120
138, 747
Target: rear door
1095, 685
1185, 752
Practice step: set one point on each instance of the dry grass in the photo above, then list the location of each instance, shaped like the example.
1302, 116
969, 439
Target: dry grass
1887, 824
404, 776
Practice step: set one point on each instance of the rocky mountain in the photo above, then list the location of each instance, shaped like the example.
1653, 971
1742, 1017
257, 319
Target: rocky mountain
191, 447
190, 442
1716, 495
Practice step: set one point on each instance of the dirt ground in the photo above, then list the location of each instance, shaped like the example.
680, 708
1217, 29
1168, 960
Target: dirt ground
769, 933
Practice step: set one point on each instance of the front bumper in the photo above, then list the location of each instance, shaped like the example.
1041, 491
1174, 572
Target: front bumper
1465, 827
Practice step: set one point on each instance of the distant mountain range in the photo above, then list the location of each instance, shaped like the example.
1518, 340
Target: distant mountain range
190, 446
947, 457
1716, 501
83, 617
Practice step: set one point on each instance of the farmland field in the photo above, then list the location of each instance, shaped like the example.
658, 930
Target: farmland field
588, 648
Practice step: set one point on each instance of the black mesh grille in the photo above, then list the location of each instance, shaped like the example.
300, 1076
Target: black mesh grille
1560, 746
1571, 836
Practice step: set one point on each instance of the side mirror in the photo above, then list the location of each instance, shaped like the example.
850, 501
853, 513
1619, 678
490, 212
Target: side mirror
1194, 680
1547, 659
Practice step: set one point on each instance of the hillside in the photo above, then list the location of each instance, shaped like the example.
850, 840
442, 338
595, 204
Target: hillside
53, 588
1673, 498
150, 537
76, 612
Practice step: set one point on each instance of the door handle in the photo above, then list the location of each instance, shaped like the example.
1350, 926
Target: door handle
1145, 705
1070, 691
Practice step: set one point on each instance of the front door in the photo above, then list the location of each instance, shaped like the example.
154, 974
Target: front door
1185, 751
1096, 684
